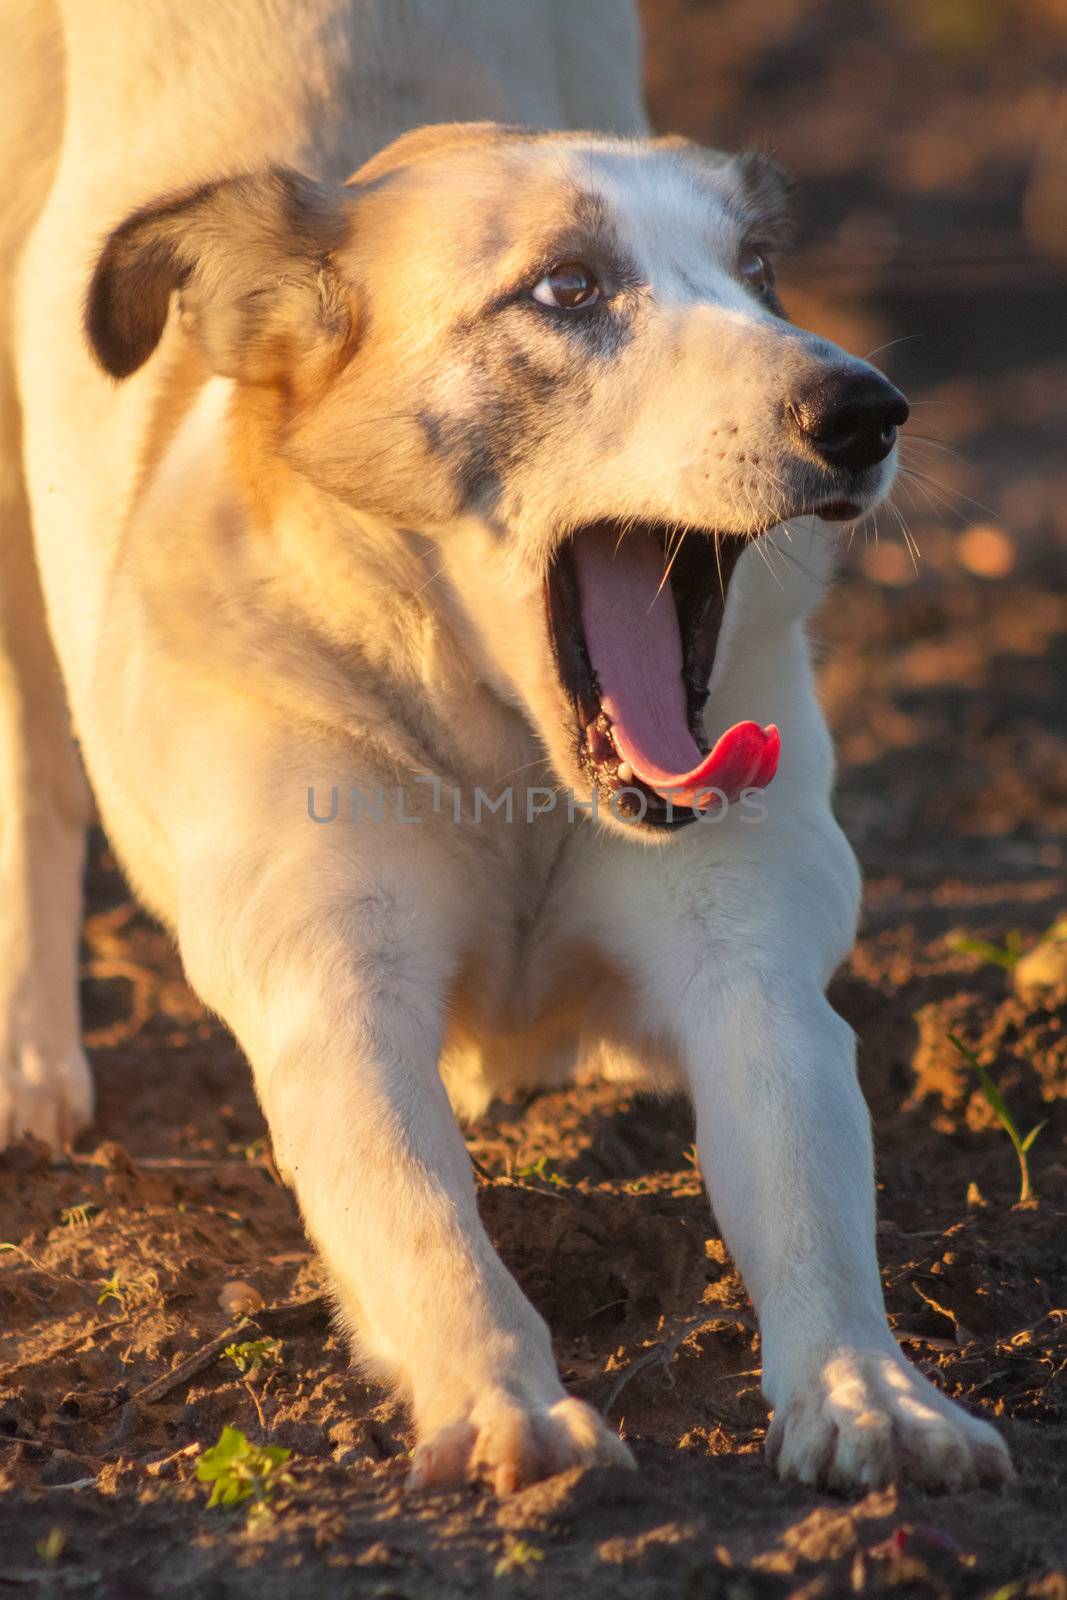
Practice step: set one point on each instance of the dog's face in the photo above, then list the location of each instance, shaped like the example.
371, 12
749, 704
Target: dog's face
561, 352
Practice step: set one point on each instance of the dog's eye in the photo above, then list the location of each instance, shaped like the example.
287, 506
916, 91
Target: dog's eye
756, 271
569, 286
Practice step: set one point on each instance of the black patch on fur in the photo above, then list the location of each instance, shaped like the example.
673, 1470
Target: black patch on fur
772, 300
601, 332
433, 429
481, 447
477, 478
474, 449
537, 384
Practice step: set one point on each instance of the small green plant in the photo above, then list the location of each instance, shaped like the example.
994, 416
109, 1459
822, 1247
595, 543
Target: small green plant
1006, 955
692, 1155
519, 1556
253, 1355
112, 1288
77, 1218
51, 1547
239, 1470
539, 1169
19, 1251
127, 1292
1022, 1145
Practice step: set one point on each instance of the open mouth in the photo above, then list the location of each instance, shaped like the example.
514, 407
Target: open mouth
634, 615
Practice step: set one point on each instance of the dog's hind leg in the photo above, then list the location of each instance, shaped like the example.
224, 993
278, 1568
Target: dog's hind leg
330, 951
45, 1088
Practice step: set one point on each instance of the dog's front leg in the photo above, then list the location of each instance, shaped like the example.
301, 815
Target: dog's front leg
785, 1144
334, 974
732, 937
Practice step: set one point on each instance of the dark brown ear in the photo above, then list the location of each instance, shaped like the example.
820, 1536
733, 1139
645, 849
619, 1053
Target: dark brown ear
253, 259
770, 196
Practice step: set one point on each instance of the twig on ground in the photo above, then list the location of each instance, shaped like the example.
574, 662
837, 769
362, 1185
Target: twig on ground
157, 1467
45, 1444
290, 1313
663, 1353
254, 1397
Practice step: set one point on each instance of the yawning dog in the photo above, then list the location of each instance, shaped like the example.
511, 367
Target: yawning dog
427, 557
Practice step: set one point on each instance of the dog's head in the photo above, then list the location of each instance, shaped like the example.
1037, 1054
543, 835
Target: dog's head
563, 357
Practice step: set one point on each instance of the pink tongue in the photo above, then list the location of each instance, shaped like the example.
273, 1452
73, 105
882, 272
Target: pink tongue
631, 630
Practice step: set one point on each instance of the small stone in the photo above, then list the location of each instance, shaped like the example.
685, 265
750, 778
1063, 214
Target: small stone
1043, 970
115, 1157
975, 1197
239, 1299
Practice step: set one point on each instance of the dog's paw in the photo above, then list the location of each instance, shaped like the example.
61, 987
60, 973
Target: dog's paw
510, 1443
866, 1418
48, 1096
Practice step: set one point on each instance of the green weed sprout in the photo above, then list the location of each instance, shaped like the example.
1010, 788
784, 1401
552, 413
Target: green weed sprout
239, 1470
519, 1556
253, 1355
51, 1547
1006, 955
1022, 1145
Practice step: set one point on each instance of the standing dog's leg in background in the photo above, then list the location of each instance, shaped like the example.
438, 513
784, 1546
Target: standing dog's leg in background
329, 951
45, 1088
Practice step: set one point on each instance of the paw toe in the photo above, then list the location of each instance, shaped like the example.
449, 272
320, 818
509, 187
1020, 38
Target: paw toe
579, 1437
443, 1458
51, 1099
508, 1445
864, 1454
992, 1461
936, 1457
867, 1420
803, 1446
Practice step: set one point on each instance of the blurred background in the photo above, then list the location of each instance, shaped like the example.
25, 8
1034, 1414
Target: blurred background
930, 141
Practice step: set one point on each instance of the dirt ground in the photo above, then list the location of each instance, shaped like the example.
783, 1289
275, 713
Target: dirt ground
919, 128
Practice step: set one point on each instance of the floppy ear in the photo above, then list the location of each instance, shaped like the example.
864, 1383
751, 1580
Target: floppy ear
253, 259
766, 190
770, 195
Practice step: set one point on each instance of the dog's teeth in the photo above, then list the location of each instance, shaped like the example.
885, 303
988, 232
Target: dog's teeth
626, 772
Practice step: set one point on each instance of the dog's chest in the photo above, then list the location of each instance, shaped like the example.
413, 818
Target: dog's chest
528, 926
531, 979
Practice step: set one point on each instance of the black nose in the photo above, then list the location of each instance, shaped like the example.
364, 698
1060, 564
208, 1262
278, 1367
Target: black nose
850, 418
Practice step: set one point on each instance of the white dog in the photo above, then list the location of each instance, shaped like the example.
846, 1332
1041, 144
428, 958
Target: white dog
431, 503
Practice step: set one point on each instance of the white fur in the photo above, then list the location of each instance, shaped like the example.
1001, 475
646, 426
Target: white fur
361, 964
